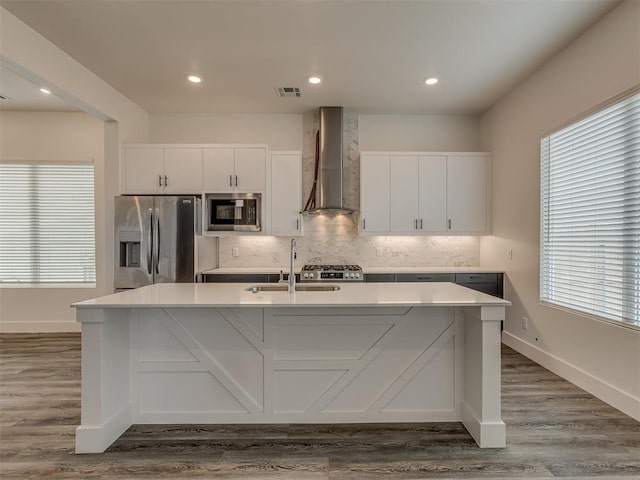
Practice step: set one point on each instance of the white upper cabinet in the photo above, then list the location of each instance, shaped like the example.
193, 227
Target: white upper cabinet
404, 185
432, 197
374, 193
424, 193
157, 170
142, 170
251, 168
286, 193
235, 168
467, 193
193, 169
218, 169
183, 170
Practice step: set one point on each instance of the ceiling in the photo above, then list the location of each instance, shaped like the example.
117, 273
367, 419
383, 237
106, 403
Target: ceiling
22, 95
372, 55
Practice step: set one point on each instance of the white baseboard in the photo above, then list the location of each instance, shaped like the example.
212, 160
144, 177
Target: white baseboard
97, 438
486, 434
615, 397
38, 327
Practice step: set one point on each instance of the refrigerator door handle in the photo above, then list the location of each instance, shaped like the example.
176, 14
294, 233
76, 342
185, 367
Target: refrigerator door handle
156, 243
149, 241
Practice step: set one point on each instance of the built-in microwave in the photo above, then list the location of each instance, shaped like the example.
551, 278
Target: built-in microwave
233, 212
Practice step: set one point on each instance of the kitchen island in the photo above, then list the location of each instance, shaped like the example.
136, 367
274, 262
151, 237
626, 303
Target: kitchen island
219, 353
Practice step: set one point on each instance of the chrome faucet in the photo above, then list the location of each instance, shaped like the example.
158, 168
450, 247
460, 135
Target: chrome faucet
292, 273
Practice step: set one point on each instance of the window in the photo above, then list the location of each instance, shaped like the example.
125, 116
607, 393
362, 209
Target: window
47, 226
590, 214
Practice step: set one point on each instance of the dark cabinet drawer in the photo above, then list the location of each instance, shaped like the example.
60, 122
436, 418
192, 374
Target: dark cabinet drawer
275, 277
490, 288
476, 277
236, 278
379, 277
425, 277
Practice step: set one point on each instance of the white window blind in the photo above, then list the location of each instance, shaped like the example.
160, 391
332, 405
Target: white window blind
590, 214
47, 226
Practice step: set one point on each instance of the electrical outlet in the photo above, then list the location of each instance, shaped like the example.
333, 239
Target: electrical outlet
525, 323
235, 252
378, 251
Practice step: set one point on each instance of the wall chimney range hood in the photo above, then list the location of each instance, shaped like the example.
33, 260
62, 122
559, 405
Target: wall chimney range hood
330, 186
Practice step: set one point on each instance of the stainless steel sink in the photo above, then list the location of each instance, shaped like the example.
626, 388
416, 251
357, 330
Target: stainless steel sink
299, 288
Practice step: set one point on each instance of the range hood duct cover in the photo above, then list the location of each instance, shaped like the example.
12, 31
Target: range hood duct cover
330, 187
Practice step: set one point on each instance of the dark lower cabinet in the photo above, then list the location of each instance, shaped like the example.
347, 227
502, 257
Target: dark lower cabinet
490, 283
244, 277
236, 278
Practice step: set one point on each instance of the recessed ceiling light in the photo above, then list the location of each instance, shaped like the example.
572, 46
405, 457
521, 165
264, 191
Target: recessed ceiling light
44, 90
315, 79
194, 79
430, 81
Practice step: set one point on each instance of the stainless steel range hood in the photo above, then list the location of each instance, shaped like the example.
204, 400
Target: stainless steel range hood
330, 187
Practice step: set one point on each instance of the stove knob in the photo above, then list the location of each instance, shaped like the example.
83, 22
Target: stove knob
352, 275
311, 275
305, 275
357, 275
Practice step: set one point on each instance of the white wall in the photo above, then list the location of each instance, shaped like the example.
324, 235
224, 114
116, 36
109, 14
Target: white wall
278, 131
439, 133
29, 54
52, 136
600, 357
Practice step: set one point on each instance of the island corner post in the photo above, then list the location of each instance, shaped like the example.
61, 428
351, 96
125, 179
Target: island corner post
289, 364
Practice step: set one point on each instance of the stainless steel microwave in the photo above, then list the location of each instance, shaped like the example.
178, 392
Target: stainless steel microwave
233, 212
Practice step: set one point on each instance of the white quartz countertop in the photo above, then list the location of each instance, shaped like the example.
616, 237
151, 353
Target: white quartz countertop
276, 270
349, 295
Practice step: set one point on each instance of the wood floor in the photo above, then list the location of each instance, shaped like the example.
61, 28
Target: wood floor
554, 429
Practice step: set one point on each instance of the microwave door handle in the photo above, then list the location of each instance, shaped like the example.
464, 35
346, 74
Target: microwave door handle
157, 240
149, 241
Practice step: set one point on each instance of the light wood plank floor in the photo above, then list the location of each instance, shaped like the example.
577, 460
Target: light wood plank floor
554, 429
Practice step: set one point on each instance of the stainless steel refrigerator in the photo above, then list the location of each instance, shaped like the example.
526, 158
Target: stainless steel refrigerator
158, 239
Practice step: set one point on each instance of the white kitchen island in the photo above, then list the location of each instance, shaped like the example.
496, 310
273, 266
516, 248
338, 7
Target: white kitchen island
217, 353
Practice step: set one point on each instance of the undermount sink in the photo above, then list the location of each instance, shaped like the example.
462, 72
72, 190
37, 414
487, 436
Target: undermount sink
299, 288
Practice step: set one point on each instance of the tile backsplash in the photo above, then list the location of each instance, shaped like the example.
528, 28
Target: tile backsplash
334, 238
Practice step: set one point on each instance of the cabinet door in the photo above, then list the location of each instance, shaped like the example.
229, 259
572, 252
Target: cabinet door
432, 197
374, 193
403, 181
467, 193
218, 169
183, 170
286, 194
142, 170
250, 169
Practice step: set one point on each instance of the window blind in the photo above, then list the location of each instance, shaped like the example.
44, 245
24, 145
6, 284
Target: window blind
47, 225
590, 214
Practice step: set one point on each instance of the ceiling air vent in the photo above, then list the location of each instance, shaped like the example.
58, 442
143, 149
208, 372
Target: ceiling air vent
289, 91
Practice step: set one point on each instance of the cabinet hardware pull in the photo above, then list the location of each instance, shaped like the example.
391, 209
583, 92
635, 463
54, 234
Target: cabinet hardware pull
297, 224
415, 224
150, 241
159, 180
166, 184
449, 224
236, 180
231, 180
420, 224
364, 224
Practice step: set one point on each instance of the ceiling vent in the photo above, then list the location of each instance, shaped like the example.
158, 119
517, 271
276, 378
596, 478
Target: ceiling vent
289, 91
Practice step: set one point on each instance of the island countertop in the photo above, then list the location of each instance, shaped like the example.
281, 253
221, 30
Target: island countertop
166, 295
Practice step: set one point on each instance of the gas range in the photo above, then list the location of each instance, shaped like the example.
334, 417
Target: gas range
344, 273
